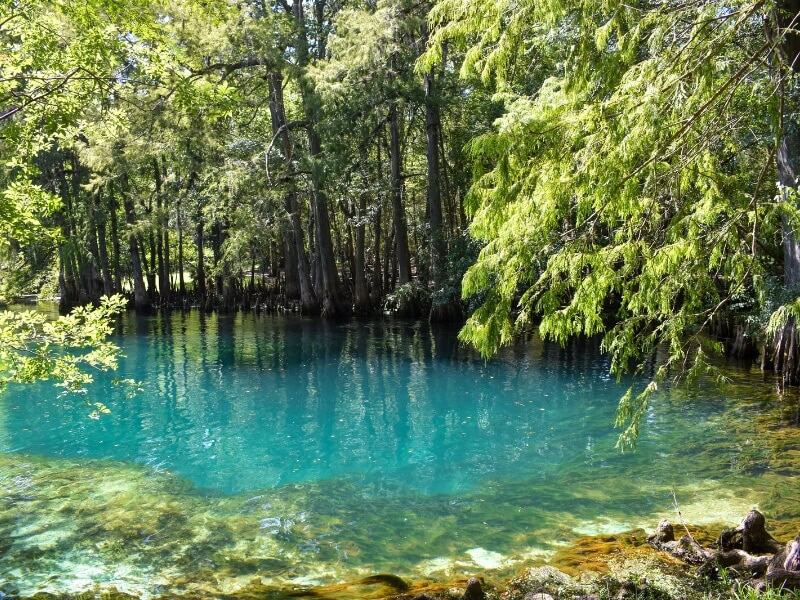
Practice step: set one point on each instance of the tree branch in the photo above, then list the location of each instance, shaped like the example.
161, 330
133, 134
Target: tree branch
245, 63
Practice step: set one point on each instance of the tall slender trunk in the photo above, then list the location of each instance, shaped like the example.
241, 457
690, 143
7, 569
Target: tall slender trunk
445, 305
377, 282
342, 249
200, 286
163, 279
166, 292
95, 264
149, 264
84, 268
140, 300
398, 211
115, 249
788, 155
152, 275
217, 238
181, 280
295, 243
67, 288
147, 272
292, 288
434, 196
363, 302
332, 303
446, 188
785, 29
252, 286
102, 248
389, 269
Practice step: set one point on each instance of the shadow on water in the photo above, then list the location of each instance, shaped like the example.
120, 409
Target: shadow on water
301, 453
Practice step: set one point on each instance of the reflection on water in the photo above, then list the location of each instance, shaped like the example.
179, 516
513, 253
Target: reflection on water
296, 452
236, 404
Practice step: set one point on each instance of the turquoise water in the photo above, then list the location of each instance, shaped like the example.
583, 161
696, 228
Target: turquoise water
238, 405
301, 452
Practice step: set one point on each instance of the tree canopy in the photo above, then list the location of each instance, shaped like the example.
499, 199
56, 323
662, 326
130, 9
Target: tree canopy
628, 190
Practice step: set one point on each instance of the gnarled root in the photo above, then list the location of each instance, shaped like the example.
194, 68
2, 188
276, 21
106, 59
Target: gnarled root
685, 549
745, 548
751, 536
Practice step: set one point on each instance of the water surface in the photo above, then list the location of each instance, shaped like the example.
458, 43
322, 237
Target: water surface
295, 452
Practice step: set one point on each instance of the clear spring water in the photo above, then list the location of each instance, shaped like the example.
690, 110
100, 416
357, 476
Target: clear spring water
297, 452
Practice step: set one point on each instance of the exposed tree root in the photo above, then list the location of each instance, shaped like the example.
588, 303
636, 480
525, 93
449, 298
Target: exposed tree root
748, 548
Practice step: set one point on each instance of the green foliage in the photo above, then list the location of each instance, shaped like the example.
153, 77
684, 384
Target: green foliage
621, 196
462, 253
23, 205
33, 348
748, 593
410, 299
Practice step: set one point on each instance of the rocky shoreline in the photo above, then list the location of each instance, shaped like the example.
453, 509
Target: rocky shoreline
740, 562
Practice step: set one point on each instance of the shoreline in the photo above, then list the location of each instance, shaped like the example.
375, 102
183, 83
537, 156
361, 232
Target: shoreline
602, 567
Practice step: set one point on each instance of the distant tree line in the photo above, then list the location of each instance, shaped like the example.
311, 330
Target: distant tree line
241, 155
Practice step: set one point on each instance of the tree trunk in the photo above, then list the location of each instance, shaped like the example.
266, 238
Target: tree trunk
140, 301
85, 274
200, 285
788, 162
92, 279
181, 281
217, 236
332, 303
67, 289
377, 281
290, 264
343, 248
167, 291
389, 265
447, 190
296, 244
115, 249
102, 248
445, 305
252, 285
363, 302
361, 297
152, 275
163, 276
434, 195
398, 211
